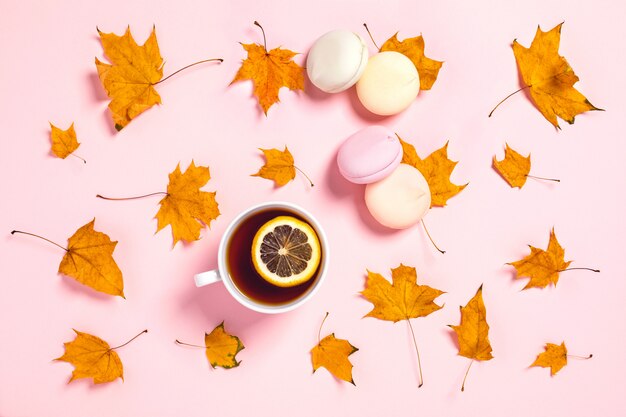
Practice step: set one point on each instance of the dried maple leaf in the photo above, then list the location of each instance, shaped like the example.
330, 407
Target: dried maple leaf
130, 80
185, 208
403, 299
222, 348
554, 357
436, 168
92, 357
279, 167
413, 48
542, 266
332, 353
64, 142
473, 332
89, 260
514, 168
549, 77
269, 71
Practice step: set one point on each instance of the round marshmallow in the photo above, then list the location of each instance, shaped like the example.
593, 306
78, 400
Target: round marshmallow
389, 84
369, 155
336, 61
400, 200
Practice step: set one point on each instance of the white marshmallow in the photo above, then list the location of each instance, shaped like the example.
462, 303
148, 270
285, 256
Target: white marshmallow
336, 61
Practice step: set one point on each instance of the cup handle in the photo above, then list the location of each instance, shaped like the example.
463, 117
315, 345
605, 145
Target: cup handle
206, 278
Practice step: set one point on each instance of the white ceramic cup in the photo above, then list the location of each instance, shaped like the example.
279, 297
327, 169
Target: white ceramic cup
222, 273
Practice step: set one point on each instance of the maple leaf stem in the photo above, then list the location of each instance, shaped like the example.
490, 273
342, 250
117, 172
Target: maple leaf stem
505, 98
178, 342
79, 157
307, 177
188, 66
319, 332
371, 37
431, 239
586, 269
581, 357
130, 198
465, 377
419, 362
124, 344
40, 237
263, 31
542, 178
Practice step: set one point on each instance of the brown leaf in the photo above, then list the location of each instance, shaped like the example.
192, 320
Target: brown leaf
549, 77
413, 48
185, 208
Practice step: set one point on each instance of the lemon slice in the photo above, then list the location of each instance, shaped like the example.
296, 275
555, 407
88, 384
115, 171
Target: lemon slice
286, 251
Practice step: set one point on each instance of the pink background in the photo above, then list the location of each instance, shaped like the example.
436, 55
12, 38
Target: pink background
47, 74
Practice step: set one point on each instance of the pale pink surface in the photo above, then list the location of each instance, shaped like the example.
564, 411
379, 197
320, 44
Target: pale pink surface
47, 74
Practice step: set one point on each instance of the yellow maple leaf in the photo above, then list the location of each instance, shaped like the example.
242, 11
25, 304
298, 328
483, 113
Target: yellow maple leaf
185, 208
542, 266
64, 142
554, 357
129, 80
93, 358
473, 332
269, 71
514, 168
413, 48
332, 353
279, 166
403, 299
89, 260
436, 168
222, 348
549, 77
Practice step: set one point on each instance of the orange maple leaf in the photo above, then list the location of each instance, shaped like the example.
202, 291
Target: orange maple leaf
89, 260
549, 77
130, 80
64, 142
473, 331
436, 168
554, 357
221, 348
332, 353
185, 208
413, 48
279, 167
269, 71
542, 266
93, 358
403, 299
514, 168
